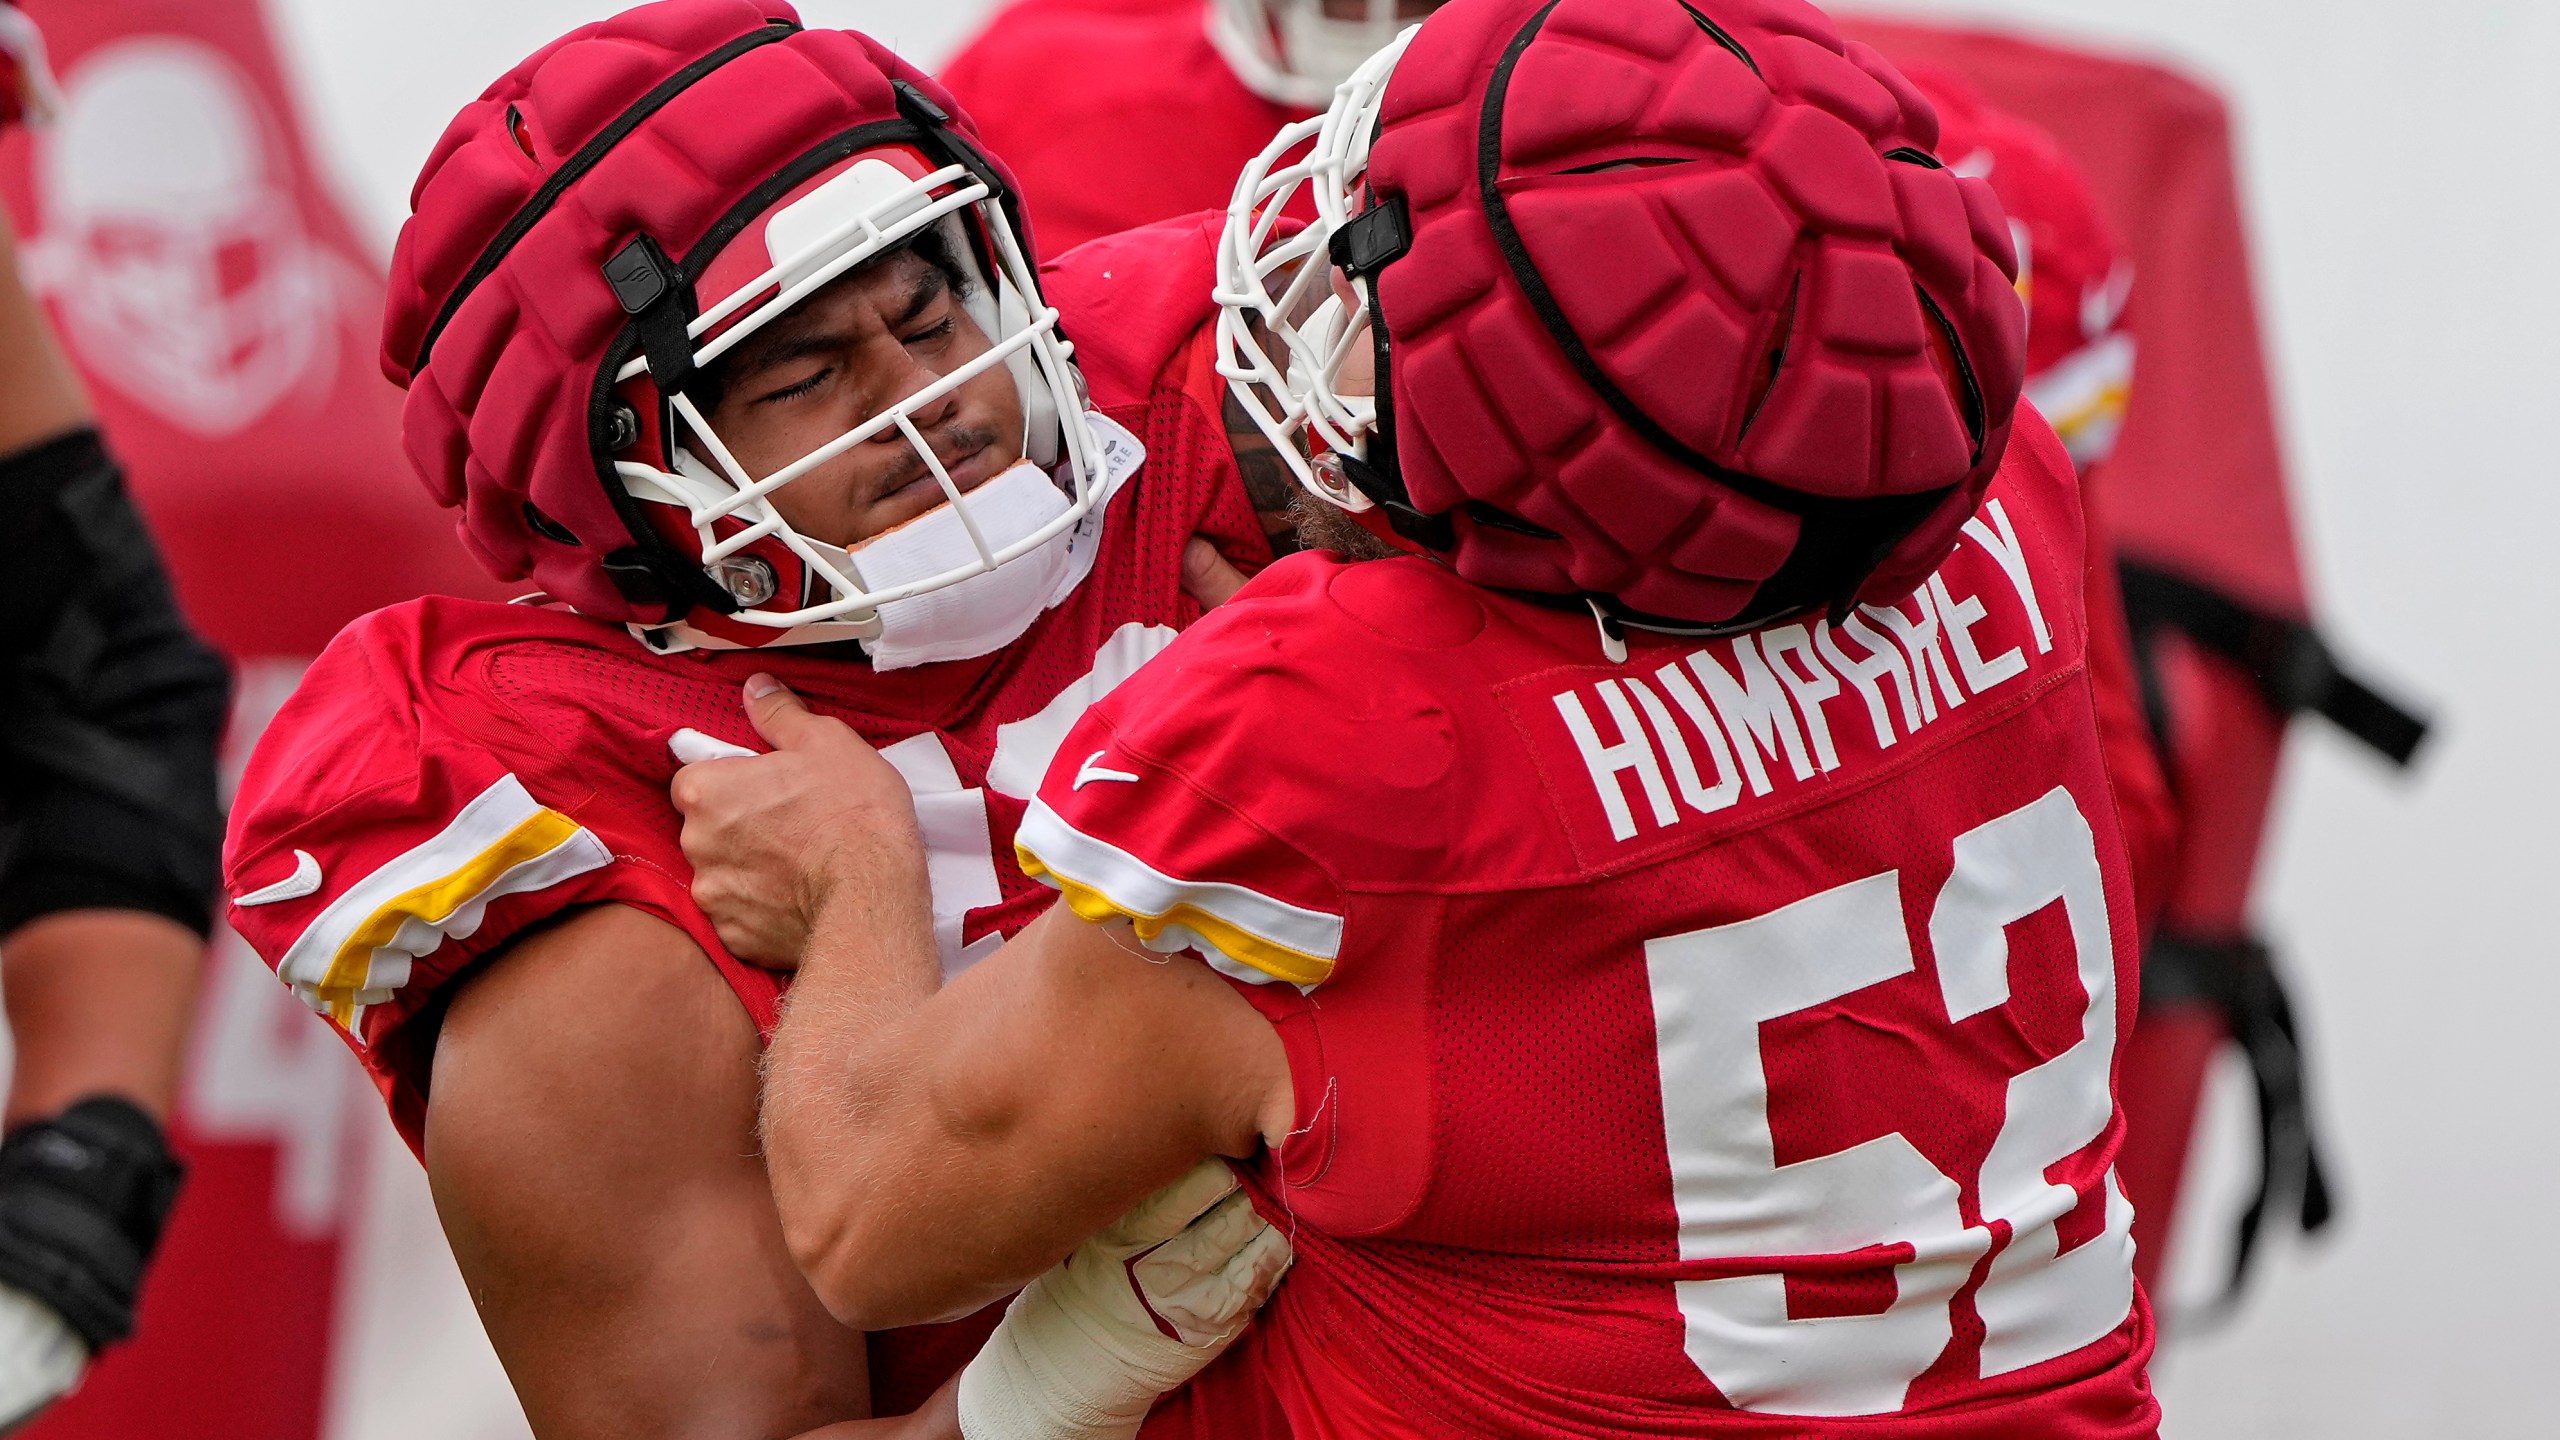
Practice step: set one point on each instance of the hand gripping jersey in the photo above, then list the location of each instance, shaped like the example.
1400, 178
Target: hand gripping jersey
452, 772
1688, 1046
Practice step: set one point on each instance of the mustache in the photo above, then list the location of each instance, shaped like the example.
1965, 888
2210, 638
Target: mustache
950, 441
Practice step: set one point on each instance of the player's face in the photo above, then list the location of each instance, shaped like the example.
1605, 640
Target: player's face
841, 357
1359, 373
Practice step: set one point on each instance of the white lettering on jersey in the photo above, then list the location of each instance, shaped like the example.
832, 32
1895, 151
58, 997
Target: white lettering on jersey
1714, 990
1883, 662
959, 852
1808, 682
1961, 615
1026, 748
1754, 709
1765, 702
1920, 639
1703, 798
2002, 546
1630, 752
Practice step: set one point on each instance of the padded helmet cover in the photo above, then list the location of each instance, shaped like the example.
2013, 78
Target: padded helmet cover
1799, 346
680, 113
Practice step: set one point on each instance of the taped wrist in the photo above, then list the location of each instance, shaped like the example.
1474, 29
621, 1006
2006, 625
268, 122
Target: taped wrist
1024, 1384
83, 1199
1063, 1366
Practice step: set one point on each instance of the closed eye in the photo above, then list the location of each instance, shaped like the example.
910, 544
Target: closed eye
795, 391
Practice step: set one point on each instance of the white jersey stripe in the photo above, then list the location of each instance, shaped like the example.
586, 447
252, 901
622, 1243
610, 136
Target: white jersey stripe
503, 843
1242, 932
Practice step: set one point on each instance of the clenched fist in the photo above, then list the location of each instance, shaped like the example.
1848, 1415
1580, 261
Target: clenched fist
776, 839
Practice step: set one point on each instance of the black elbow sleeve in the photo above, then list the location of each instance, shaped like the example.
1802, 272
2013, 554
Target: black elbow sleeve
111, 708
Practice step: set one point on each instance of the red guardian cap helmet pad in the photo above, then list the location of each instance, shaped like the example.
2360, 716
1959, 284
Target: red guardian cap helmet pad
1672, 307
624, 208
2073, 275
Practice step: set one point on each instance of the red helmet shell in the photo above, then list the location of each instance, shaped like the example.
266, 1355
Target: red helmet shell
2071, 268
1688, 292
672, 121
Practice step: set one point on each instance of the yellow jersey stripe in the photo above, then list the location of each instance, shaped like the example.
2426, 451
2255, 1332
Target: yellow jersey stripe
435, 901
1276, 960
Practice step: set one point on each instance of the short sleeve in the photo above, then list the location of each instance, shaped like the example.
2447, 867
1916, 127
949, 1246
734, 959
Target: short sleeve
1166, 807
379, 843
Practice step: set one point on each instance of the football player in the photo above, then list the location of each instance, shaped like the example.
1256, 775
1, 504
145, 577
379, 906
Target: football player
723, 331
1224, 75
1170, 97
110, 831
1663, 948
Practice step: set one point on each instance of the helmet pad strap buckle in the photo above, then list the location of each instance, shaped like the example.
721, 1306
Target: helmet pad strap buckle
653, 292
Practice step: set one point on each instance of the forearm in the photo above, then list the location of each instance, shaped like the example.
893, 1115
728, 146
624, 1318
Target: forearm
937, 1419
901, 1187
99, 1002
845, 1089
40, 394
972, 1139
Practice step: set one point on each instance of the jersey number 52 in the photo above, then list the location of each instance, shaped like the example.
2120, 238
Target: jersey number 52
1882, 1203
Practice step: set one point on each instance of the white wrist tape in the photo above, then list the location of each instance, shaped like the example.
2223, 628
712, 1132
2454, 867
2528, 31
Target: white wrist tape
41, 1358
1081, 1354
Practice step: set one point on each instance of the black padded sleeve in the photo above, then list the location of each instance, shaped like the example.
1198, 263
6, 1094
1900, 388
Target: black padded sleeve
111, 708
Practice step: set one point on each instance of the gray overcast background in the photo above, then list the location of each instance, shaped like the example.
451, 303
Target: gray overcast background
2404, 199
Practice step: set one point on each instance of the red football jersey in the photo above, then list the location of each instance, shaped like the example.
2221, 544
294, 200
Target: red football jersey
1684, 1046
453, 772
1112, 113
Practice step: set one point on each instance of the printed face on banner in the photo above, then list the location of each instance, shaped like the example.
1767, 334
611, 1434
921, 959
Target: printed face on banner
173, 244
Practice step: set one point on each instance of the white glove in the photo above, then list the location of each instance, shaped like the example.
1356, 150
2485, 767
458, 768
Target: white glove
1082, 1353
41, 1358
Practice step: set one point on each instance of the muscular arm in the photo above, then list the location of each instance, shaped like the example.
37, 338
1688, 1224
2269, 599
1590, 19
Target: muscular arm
591, 1145
40, 394
935, 1148
105, 890
70, 1046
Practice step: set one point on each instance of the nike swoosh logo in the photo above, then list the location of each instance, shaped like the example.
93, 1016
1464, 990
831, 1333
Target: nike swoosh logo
1089, 772
305, 880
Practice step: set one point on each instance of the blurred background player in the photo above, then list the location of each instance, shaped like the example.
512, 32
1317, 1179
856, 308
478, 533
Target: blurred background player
1170, 97
790, 398
1673, 940
110, 709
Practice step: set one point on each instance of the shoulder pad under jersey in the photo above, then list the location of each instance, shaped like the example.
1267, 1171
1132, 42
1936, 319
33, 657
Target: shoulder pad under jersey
1130, 301
394, 824
1313, 737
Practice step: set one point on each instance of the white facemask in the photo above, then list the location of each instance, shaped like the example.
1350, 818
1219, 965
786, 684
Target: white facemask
987, 611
